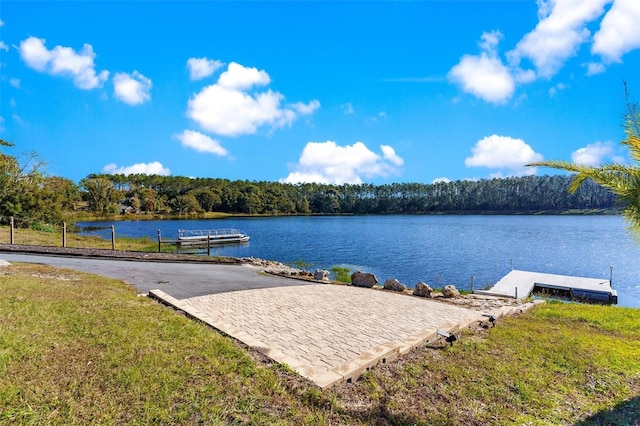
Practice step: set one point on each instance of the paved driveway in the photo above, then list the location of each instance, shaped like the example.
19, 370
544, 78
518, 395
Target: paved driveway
180, 280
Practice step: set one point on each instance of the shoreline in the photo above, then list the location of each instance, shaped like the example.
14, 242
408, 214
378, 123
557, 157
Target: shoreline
220, 215
472, 301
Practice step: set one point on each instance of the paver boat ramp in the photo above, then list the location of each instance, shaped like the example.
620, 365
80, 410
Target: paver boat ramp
329, 333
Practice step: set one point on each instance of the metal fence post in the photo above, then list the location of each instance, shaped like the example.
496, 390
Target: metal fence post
113, 237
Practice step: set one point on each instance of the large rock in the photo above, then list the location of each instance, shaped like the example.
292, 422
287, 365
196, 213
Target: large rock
422, 289
450, 291
321, 275
363, 279
394, 285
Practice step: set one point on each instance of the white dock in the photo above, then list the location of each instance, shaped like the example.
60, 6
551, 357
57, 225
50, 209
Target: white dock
520, 284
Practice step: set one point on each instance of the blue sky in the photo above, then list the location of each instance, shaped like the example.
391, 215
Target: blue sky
335, 92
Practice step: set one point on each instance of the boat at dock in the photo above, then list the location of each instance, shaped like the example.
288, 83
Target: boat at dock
211, 236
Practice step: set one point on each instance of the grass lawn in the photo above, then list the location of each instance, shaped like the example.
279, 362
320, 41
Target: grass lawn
77, 348
54, 239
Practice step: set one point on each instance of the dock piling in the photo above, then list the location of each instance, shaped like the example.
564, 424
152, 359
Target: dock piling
611, 275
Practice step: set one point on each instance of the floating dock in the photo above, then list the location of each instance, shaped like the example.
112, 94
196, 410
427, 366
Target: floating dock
211, 236
521, 284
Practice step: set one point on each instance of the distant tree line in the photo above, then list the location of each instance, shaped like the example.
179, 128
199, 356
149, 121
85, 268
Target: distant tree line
34, 199
176, 194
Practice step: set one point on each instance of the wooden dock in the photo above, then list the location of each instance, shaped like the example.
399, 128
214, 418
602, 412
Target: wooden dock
521, 284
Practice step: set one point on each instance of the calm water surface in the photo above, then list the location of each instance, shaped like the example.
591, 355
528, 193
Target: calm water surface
439, 250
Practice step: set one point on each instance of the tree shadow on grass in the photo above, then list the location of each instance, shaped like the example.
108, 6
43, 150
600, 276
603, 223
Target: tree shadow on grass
625, 413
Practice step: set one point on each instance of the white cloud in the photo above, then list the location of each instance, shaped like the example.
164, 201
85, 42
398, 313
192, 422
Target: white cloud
308, 177
441, 180
619, 31
17, 119
484, 75
35, 54
596, 154
523, 76
132, 89
594, 68
558, 35
306, 109
347, 109
239, 77
63, 61
200, 68
3, 46
562, 29
557, 88
15, 82
227, 108
153, 168
229, 112
389, 154
505, 153
200, 142
328, 162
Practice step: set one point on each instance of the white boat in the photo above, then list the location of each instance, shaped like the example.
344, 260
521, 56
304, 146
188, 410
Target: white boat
213, 236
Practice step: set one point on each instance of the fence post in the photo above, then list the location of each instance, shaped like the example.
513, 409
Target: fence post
159, 241
11, 232
113, 237
64, 234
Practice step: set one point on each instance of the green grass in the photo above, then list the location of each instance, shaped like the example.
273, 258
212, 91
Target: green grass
556, 365
301, 264
53, 238
76, 349
341, 274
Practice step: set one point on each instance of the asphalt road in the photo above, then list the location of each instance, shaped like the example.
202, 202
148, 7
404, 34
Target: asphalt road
180, 280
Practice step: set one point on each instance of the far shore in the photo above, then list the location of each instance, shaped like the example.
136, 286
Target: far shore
220, 215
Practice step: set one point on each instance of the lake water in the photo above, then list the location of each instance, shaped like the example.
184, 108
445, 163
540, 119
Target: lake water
438, 250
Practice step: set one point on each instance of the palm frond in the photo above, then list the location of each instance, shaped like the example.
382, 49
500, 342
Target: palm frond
622, 180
